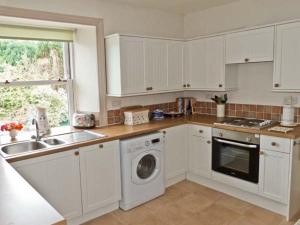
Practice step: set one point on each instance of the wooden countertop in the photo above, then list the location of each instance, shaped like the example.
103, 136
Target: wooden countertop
122, 132
20, 204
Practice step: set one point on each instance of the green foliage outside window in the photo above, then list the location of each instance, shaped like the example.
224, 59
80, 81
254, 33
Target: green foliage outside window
30, 61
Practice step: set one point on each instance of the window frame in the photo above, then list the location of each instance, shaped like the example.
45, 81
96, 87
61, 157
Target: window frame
67, 81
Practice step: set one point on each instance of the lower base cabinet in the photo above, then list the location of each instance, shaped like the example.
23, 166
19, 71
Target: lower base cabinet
57, 178
78, 181
175, 153
274, 175
200, 151
100, 175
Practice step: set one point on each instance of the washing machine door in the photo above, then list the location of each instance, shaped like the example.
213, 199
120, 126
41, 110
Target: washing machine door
145, 167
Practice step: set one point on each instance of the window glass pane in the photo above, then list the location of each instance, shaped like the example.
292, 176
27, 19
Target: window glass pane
19, 104
29, 60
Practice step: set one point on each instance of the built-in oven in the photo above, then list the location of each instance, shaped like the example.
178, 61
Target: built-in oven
236, 154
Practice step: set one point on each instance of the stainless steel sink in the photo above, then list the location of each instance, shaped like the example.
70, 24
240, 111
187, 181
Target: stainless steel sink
54, 141
70, 138
22, 147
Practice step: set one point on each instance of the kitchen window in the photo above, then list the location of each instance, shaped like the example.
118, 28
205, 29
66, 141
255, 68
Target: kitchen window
35, 71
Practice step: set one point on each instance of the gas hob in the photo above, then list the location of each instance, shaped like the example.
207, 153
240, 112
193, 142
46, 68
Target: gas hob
246, 123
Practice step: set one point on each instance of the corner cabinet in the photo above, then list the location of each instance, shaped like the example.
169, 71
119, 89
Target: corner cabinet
200, 150
250, 46
205, 65
287, 66
175, 154
80, 184
139, 66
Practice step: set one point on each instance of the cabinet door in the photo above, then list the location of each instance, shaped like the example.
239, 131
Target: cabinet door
274, 175
57, 178
175, 151
199, 157
287, 66
250, 46
132, 65
156, 65
175, 65
100, 175
215, 65
195, 64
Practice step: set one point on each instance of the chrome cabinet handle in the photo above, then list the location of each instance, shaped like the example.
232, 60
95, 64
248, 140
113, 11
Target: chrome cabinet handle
235, 143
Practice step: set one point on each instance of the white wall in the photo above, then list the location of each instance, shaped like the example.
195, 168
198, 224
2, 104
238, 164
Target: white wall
255, 80
85, 58
118, 18
254, 87
239, 14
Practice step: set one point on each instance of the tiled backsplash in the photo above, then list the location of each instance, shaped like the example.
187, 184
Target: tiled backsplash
267, 112
209, 108
116, 116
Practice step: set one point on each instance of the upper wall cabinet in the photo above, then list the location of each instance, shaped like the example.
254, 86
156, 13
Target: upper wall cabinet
205, 67
137, 66
125, 65
175, 65
250, 46
287, 66
156, 68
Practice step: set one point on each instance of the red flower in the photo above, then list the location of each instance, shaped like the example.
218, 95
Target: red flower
11, 126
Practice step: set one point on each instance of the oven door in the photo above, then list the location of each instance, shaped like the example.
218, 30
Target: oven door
236, 159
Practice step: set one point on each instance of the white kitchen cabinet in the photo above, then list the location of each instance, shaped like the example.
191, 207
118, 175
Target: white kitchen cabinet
125, 65
175, 153
139, 66
250, 46
195, 64
100, 175
57, 178
175, 65
156, 68
274, 175
287, 54
205, 66
200, 151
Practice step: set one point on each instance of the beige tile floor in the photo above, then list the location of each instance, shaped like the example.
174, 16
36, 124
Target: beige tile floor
187, 203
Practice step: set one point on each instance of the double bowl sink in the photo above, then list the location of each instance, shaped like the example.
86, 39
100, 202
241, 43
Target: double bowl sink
27, 146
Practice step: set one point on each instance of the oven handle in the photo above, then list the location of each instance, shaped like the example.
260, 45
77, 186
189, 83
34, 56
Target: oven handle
235, 143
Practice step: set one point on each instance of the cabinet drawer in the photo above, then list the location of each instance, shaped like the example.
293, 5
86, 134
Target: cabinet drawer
275, 144
200, 131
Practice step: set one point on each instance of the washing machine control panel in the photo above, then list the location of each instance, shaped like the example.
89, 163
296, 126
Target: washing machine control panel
145, 144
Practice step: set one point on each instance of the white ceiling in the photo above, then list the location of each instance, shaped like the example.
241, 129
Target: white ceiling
177, 6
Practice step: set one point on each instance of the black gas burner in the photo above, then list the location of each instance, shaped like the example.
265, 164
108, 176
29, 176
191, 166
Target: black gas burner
244, 122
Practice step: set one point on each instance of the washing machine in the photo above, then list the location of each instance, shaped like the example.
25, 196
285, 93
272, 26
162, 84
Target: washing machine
142, 169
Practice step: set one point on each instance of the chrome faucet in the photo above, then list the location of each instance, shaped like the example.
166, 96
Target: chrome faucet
37, 137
